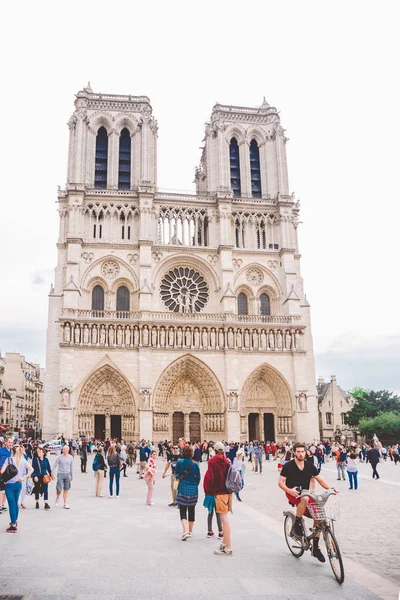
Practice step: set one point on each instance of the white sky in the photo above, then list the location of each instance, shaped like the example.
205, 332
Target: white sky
331, 68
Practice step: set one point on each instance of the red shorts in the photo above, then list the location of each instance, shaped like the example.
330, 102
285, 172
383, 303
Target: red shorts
296, 502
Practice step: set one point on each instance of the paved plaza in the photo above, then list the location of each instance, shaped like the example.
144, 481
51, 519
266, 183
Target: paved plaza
121, 548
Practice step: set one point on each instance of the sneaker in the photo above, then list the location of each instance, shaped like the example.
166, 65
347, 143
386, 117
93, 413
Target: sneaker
57, 502
210, 534
117, 496
37, 505
222, 546
220, 535
66, 506
172, 504
46, 506
150, 504
297, 530
11, 529
190, 534
185, 536
318, 554
223, 552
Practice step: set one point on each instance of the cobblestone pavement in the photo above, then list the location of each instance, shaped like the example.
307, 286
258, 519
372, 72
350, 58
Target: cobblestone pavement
122, 548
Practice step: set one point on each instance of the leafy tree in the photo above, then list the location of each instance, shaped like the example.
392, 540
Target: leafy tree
370, 404
386, 426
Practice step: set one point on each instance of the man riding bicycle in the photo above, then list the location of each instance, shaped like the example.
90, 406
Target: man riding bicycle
297, 475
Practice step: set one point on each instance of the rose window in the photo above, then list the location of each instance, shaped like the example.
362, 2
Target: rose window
184, 290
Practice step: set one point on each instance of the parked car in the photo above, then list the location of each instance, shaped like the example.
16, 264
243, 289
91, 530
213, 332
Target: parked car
53, 446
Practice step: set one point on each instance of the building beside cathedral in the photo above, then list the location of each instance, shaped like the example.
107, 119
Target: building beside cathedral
175, 314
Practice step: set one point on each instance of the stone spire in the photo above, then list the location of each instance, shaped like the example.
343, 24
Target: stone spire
264, 103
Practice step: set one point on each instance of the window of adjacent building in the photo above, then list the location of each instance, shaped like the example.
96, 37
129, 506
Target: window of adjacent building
124, 165
343, 416
255, 171
100, 172
328, 417
98, 298
235, 167
242, 304
123, 298
265, 305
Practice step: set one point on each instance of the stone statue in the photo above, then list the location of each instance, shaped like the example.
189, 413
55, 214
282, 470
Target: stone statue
204, 338
279, 340
65, 398
193, 302
263, 340
233, 400
302, 402
154, 337
111, 336
196, 338
146, 399
145, 336
271, 340
171, 337
120, 339
179, 337
85, 335
230, 338
188, 337
181, 301
102, 335
162, 337
239, 338
221, 341
136, 337
94, 335
242, 424
77, 334
298, 340
187, 303
255, 339
212, 338
67, 333
246, 339
288, 341
127, 336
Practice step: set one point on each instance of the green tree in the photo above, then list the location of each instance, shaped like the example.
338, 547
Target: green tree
370, 404
386, 426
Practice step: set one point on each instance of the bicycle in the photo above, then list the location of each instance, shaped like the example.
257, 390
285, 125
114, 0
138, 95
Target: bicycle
323, 524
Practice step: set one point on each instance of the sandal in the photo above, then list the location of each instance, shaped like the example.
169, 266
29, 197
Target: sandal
23, 506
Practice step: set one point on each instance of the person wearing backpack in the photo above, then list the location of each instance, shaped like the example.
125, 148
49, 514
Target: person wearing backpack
341, 463
99, 468
215, 485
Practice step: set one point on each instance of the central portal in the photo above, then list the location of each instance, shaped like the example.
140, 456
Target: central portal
116, 427
100, 427
194, 427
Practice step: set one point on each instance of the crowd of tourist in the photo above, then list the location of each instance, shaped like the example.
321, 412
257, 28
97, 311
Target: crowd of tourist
224, 478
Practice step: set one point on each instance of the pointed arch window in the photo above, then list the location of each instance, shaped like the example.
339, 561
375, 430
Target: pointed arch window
124, 165
265, 305
242, 304
255, 171
98, 298
235, 167
101, 163
123, 299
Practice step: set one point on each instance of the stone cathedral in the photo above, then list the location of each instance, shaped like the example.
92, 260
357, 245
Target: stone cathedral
178, 315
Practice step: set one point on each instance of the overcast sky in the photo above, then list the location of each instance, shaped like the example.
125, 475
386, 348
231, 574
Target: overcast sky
331, 69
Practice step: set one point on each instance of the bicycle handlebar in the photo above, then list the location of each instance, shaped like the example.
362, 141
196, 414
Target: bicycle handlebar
318, 498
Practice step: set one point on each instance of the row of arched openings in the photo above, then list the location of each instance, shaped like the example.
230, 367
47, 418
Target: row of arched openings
255, 171
263, 301
124, 160
123, 298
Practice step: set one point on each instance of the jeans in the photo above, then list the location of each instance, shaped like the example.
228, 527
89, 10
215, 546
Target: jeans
114, 472
259, 464
353, 479
341, 469
13, 491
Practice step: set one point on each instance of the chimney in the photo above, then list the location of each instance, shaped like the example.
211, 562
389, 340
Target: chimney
333, 378
321, 381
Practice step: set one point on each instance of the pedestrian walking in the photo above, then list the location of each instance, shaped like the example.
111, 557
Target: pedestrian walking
124, 458
341, 458
41, 477
150, 477
373, 456
144, 454
99, 467
258, 455
64, 463
239, 464
187, 472
114, 463
83, 454
214, 485
14, 485
352, 469
5, 453
172, 459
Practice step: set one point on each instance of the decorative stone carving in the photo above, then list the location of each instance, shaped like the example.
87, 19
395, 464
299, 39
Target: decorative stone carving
243, 425
154, 337
255, 339
145, 395
87, 256
184, 290
298, 340
77, 334
94, 335
65, 398
233, 400
279, 340
302, 401
237, 263
157, 256
120, 337
272, 264
161, 422
212, 259
133, 258
85, 335
196, 337
67, 333
110, 269
271, 340
230, 338
145, 336
255, 277
263, 340
288, 340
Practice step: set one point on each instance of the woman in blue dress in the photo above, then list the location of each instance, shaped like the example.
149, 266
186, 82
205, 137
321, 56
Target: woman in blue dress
187, 472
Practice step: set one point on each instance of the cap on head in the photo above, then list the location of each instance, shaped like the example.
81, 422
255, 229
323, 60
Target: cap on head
219, 447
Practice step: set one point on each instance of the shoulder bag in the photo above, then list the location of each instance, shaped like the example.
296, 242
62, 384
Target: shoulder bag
177, 481
10, 471
45, 478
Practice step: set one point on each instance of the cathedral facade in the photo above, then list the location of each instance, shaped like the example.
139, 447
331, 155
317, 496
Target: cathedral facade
177, 315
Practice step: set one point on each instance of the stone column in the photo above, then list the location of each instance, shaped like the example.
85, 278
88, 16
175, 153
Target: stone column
186, 429
108, 426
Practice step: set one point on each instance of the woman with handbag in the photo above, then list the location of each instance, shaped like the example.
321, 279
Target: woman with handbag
150, 477
114, 463
187, 474
41, 477
14, 473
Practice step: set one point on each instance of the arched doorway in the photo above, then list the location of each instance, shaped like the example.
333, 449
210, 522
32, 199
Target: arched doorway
188, 402
106, 406
266, 406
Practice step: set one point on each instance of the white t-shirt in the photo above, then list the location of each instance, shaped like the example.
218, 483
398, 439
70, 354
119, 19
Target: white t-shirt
21, 470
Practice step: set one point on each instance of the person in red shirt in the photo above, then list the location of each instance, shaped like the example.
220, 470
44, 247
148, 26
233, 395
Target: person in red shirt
267, 448
214, 485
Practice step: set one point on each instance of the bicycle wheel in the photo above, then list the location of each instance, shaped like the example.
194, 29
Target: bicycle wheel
293, 543
335, 558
